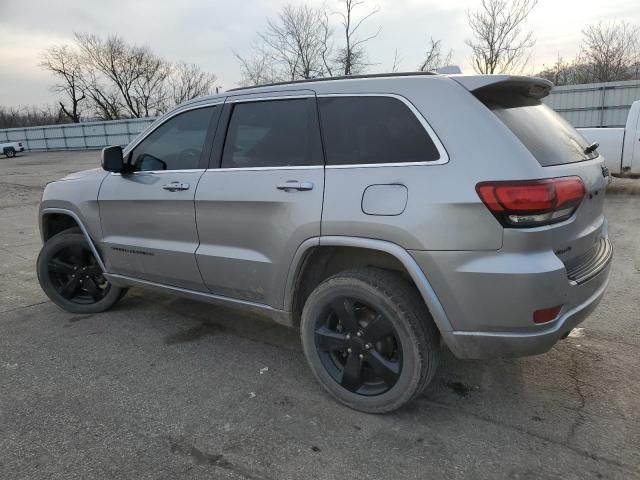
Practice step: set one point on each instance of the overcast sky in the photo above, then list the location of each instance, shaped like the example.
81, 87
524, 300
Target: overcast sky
207, 32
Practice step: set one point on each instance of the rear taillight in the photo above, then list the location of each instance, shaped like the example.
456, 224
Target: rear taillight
532, 203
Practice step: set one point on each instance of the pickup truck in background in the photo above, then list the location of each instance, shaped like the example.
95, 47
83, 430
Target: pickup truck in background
620, 147
11, 148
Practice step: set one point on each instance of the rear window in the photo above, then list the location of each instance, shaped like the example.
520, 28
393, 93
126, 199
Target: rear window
550, 138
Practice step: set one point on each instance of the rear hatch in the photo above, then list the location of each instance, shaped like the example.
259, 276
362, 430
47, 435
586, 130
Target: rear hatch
562, 152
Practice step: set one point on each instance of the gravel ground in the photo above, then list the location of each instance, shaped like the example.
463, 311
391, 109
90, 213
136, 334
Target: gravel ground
162, 387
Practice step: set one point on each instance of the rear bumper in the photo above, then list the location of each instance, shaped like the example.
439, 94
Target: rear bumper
489, 299
521, 344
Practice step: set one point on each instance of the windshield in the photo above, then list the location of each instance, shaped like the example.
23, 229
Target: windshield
550, 138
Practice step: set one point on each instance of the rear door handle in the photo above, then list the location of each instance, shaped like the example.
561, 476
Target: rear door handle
176, 186
294, 186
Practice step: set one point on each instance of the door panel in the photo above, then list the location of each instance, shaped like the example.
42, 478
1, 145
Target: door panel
148, 215
149, 232
250, 230
255, 211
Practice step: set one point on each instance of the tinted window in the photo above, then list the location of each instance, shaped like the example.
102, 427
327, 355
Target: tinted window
359, 130
176, 144
545, 134
273, 134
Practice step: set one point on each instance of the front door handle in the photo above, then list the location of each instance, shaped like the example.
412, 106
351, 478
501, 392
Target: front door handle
294, 186
176, 186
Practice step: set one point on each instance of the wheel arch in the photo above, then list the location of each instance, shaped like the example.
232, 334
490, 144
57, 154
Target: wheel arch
392, 252
56, 220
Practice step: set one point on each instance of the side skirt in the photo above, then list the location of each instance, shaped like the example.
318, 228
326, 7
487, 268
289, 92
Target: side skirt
279, 316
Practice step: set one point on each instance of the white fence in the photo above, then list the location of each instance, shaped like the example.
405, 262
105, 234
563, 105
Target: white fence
77, 136
595, 104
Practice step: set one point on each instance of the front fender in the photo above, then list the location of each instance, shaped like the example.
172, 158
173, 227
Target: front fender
62, 211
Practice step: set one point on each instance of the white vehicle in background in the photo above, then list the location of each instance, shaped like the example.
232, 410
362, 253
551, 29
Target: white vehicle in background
11, 148
620, 147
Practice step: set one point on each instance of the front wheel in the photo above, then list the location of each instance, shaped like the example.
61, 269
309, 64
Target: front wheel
10, 152
369, 339
71, 277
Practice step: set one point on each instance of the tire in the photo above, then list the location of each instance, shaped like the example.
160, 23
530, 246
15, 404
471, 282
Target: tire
70, 276
10, 152
409, 350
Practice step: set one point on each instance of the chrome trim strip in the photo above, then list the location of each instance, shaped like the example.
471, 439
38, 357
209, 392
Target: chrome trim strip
153, 127
248, 169
263, 99
85, 232
373, 165
146, 172
590, 264
444, 156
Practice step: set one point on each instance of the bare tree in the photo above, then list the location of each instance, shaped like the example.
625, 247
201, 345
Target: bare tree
352, 57
298, 44
104, 99
434, 57
257, 69
114, 79
610, 51
150, 90
560, 73
296, 41
395, 67
112, 59
499, 42
326, 49
11, 117
136, 73
188, 81
64, 63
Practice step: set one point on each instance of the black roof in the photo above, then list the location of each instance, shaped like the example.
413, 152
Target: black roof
328, 79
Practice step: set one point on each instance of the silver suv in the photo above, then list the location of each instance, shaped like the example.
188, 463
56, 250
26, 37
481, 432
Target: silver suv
383, 215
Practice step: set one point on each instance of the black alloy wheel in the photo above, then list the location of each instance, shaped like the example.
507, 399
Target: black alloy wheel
71, 276
359, 347
76, 275
369, 339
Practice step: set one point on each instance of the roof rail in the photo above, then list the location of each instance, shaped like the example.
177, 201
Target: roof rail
329, 79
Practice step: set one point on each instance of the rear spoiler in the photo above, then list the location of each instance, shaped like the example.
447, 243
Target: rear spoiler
505, 90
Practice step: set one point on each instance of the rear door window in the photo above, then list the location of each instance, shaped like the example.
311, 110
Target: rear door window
549, 137
373, 130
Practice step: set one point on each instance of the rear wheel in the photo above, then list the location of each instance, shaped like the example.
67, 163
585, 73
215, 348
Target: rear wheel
72, 278
369, 339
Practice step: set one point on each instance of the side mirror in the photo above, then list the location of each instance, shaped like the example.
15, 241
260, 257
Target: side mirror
112, 160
